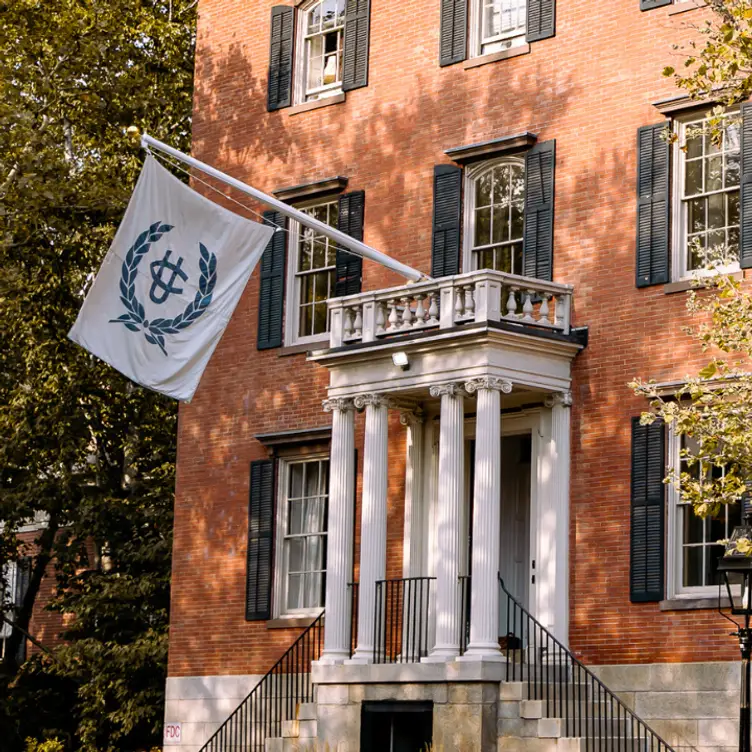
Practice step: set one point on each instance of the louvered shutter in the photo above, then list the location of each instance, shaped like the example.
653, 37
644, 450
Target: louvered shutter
647, 529
447, 210
23, 576
650, 4
260, 536
9, 580
350, 266
453, 42
541, 19
279, 92
538, 235
355, 58
652, 205
745, 242
272, 286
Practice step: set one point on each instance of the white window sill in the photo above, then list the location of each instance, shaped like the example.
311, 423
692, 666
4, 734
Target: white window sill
683, 285
492, 57
316, 104
292, 622
693, 602
685, 5
304, 345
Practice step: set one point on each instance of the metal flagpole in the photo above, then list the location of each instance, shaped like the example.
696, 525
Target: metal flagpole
361, 249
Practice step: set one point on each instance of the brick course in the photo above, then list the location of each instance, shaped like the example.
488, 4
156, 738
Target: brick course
590, 87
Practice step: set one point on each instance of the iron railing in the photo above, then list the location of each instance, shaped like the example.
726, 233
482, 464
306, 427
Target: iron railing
353, 616
569, 690
401, 629
274, 699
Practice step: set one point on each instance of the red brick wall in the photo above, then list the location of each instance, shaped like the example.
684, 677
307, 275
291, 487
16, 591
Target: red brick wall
590, 88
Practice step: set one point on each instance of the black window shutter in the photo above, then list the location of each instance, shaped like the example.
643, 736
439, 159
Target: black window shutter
453, 43
538, 251
541, 19
650, 4
272, 286
745, 244
355, 59
23, 575
652, 205
260, 536
279, 93
350, 266
647, 529
447, 210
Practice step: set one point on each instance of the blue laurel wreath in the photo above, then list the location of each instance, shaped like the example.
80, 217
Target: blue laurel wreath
135, 319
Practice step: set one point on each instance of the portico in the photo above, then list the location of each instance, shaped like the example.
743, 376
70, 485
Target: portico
471, 378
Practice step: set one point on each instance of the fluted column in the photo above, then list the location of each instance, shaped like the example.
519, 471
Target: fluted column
449, 521
373, 519
484, 603
413, 539
339, 531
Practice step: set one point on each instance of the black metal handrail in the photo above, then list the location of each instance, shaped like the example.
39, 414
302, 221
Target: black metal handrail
354, 589
274, 699
465, 582
401, 629
569, 690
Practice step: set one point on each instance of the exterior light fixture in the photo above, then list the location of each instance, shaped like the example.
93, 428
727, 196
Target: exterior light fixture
736, 566
401, 360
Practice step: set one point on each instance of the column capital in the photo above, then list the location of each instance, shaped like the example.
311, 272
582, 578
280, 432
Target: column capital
489, 382
559, 398
371, 398
453, 388
411, 415
341, 404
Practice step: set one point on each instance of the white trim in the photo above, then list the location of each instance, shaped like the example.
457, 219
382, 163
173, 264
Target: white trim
280, 560
470, 177
292, 291
475, 35
679, 270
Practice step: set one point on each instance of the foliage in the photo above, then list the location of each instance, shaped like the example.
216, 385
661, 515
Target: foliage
718, 63
715, 407
82, 447
53, 745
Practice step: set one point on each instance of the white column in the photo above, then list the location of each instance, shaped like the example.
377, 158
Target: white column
339, 532
412, 555
554, 574
373, 519
449, 521
484, 604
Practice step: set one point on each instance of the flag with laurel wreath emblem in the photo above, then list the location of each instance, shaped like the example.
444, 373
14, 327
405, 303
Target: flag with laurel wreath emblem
169, 284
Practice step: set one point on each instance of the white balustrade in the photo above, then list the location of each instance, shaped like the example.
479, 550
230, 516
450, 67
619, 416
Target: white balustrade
476, 297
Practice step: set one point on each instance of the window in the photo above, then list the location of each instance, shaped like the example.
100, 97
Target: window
321, 32
696, 550
497, 25
301, 536
313, 275
494, 216
706, 194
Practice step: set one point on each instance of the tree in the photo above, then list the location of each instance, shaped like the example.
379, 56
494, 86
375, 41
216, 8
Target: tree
81, 445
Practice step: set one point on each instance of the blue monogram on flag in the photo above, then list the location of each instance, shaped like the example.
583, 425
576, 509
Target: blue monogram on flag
163, 285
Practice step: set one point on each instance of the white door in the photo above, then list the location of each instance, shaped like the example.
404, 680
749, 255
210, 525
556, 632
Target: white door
514, 554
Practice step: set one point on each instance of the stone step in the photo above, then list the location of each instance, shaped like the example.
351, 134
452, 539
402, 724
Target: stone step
534, 744
307, 711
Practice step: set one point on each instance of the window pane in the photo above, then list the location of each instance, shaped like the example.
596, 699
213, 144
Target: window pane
314, 590
713, 555
716, 210
693, 566
324, 477
483, 190
306, 321
714, 173
305, 250
321, 286
294, 592
296, 550
732, 170
693, 178
296, 481
696, 215
694, 526
329, 13
694, 147
314, 19
320, 323
518, 220
504, 259
295, 517
485, 259
311, 479
315, 553
319, 252
482, 227
500, 223
733, 207
517, 259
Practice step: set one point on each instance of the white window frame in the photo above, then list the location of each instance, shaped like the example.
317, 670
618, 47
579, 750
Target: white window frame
471, 174
8, 584
674, 554
279, 600
292, 292
475, 35
301, 93
679, 270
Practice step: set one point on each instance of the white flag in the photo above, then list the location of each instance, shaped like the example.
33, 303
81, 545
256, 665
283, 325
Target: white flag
169, 284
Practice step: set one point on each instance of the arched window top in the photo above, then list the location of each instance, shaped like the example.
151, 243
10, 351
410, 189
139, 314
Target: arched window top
495, 197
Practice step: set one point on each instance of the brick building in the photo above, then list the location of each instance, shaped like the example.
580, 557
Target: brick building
513, 151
